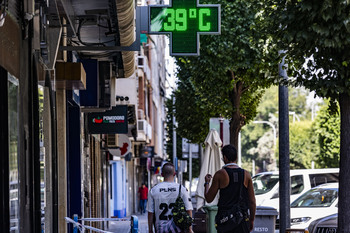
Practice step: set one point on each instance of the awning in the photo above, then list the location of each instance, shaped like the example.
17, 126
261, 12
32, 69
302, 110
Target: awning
126, 23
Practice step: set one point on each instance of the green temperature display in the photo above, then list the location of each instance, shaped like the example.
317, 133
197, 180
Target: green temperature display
184, 20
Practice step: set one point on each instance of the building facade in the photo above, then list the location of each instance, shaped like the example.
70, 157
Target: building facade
66, 69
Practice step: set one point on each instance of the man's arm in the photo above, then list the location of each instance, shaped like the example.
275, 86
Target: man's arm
188, 205
150, 222
210, 193
150, 209
252, 202
190, 214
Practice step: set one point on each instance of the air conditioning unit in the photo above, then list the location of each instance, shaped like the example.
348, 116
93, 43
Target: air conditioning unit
141, 60
141, 114
112, 140
141, 130
142, 63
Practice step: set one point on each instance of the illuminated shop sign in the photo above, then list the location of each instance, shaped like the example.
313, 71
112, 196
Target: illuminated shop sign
184, 20
114, 121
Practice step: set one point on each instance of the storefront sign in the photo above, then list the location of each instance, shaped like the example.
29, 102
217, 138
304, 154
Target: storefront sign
184, 20
114, 121
123, 146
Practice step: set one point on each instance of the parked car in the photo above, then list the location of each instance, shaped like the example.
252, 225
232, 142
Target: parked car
328, 224
316, 203
266, 184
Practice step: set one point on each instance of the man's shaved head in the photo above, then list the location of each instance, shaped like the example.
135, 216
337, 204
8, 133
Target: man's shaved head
168, 170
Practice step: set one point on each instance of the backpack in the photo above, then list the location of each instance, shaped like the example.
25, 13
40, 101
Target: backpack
181, 218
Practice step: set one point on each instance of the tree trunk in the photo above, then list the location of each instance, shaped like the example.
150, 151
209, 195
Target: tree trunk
235, 128
236, 121
344, 174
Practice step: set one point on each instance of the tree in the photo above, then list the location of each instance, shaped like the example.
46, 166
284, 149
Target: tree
191, 114
303, 145
315, 37
327, 128
169, 140
257, 138
228, 77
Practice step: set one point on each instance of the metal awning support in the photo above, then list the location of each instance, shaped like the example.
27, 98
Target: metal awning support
141, 27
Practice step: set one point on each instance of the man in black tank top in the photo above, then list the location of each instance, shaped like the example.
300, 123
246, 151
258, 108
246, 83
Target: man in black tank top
236, 190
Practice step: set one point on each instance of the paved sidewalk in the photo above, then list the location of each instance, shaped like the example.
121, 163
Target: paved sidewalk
124, 226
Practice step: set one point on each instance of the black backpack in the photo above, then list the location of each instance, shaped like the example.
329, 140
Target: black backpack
181, 218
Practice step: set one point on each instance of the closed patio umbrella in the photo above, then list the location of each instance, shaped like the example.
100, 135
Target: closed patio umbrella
212, 162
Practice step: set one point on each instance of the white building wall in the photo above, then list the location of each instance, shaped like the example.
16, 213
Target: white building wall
158, 81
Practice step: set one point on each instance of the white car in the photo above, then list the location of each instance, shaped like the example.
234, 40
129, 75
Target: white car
266, 184
316, 203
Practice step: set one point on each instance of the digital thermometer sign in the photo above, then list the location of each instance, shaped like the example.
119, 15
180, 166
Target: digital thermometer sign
184, 20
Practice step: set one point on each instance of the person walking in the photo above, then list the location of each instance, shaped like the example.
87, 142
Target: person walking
143, 196
162, 199
236, 195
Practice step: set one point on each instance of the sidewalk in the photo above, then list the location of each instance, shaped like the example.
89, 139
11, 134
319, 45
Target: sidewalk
124, 227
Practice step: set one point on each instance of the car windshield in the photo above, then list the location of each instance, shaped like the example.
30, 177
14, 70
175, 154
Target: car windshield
264, 182
318, 197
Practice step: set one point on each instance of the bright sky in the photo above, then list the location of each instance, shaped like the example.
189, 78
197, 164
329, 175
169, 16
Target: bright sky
171, 69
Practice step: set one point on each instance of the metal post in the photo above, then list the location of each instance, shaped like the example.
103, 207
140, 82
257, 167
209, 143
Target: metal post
284, 174
221, 120
253, 167
134, 224
75, 228
239, 157
174, 136
190, 166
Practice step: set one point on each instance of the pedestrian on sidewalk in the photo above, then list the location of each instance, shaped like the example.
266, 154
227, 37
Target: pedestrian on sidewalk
143, 196
162, 199
236, 195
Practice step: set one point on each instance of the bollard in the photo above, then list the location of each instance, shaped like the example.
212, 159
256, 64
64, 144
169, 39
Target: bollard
134, 224
75, 228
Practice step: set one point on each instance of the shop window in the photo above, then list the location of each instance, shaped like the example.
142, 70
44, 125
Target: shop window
42, 154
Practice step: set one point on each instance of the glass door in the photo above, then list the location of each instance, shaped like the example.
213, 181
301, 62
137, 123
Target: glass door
13, 154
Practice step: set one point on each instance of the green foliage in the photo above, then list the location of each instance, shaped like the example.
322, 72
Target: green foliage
257, 138
315, 35
169, 141
303, 145
191, 114
327, 127
269, 104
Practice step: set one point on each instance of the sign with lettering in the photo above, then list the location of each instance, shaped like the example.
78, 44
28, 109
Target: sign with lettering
184, 20
114, 121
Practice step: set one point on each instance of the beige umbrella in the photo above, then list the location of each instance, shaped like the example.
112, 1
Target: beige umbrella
212, 162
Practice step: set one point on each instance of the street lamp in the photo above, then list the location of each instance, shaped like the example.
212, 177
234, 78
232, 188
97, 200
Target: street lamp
274, 143
274, 134
273, 128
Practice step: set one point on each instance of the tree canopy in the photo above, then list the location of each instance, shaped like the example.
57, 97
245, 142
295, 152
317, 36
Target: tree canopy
228, 77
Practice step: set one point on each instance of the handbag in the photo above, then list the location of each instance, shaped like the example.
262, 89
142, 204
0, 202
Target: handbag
227, 220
